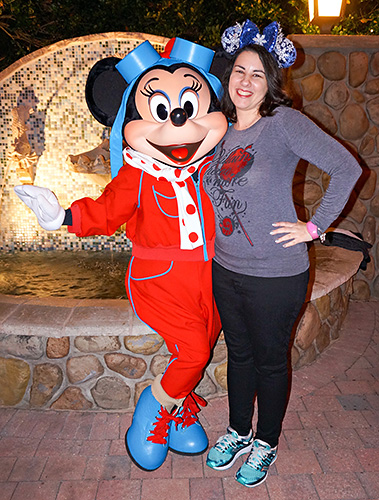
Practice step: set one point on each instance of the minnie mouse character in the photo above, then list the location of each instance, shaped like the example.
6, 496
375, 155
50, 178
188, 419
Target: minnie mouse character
171, 123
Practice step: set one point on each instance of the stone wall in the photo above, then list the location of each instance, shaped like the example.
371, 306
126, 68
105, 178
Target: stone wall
81, 373
330, 287
335, 81
83, 354
95, 354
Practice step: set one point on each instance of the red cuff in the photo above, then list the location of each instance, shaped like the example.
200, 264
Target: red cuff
76, 220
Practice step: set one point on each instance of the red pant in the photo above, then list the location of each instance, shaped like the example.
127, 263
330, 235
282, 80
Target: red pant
175, 299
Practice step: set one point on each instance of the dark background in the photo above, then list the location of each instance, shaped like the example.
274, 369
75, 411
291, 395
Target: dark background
27, 25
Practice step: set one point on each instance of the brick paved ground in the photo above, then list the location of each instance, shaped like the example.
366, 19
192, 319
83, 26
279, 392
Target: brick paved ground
329, 448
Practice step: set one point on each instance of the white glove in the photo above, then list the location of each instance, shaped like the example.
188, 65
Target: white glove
44, 204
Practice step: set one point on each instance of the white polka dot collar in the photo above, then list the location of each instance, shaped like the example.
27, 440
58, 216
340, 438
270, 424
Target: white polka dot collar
188, 215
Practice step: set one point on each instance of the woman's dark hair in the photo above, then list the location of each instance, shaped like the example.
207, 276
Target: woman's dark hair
275, 96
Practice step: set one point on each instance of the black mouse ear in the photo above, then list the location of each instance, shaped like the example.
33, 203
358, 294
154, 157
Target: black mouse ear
220, 62
104, 89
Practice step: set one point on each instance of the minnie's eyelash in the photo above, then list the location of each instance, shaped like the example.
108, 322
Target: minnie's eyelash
196, 86
148, 91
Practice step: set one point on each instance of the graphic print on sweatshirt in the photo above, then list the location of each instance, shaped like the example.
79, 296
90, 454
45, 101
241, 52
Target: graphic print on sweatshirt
221, 180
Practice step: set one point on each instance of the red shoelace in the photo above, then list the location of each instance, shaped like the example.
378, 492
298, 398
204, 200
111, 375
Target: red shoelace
161, 426
190, 409
186, 416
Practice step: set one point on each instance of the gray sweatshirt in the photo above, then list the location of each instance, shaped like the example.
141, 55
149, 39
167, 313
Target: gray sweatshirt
250, 185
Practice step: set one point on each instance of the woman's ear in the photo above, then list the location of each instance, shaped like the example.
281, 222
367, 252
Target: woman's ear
104, 90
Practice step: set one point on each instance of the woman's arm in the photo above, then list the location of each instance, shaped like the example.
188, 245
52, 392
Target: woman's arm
309, 142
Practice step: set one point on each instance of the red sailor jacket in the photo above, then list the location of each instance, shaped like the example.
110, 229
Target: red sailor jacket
148, 207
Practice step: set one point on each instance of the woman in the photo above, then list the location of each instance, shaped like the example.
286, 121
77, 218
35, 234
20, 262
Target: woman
260, 270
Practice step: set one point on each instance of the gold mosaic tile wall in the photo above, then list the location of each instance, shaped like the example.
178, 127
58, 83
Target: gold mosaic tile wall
52, 81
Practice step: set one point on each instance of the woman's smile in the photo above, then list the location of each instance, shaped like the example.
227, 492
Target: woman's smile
244, 93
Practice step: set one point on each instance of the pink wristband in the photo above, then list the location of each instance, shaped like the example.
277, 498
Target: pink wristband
312, 230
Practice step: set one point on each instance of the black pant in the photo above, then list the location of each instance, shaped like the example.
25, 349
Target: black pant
258, 315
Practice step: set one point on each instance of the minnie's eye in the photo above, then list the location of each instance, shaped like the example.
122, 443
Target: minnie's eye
159, 107
190, 103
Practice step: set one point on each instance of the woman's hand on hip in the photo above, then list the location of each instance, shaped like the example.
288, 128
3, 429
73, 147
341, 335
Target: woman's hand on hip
293, 233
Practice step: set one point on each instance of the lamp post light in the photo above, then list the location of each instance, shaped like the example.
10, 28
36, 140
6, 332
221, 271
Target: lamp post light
326, 13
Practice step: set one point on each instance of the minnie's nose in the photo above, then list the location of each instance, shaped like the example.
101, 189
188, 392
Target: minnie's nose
178, 117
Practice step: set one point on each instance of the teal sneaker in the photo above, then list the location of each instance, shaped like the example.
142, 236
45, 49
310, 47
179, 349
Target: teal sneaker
254, 470
227, 449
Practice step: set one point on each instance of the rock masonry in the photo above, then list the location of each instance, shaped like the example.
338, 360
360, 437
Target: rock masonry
43, 367
335, 81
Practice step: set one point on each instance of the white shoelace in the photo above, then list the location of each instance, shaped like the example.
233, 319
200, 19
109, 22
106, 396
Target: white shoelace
261, 457
229, 439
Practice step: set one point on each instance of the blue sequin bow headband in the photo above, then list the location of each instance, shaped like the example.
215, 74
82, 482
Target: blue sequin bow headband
272, 39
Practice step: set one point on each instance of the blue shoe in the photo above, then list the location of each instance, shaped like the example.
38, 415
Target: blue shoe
254, 470
227, 449
147, 438
187, 436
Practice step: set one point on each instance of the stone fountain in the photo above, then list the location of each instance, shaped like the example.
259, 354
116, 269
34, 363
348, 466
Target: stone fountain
74, 354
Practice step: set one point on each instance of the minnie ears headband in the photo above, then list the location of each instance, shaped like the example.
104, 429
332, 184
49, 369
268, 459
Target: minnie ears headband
272, 39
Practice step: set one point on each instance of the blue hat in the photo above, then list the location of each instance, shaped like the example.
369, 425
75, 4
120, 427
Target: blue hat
143, 58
